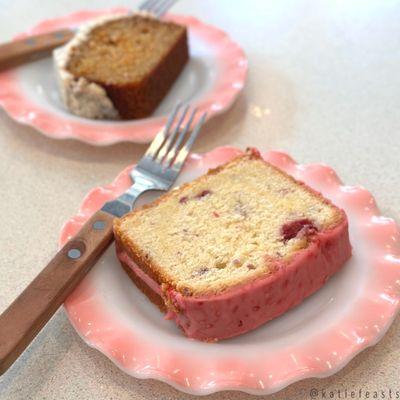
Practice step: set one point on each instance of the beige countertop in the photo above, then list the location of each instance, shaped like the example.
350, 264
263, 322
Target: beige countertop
323, 85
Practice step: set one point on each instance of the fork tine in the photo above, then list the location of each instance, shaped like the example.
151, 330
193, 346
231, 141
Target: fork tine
159, 140
175, 148
166, 156
171, 136
163, 7
183, 153
157, 5
147, 5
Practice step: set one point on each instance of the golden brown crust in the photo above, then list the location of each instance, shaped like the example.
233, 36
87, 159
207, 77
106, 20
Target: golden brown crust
140, 100
155, 271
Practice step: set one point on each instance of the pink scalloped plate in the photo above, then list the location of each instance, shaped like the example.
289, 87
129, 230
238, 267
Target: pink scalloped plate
315, 339
212, 80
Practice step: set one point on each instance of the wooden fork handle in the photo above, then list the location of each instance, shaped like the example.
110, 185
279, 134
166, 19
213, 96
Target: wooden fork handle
27, 315
33, 47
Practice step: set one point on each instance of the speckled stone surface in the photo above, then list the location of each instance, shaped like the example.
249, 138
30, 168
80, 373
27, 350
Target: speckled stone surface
323, 85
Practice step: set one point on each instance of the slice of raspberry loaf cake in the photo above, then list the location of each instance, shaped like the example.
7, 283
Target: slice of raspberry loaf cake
233, 249
120, 66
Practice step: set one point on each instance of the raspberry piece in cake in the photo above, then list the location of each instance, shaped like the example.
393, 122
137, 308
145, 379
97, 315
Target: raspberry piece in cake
301, 226
228, 252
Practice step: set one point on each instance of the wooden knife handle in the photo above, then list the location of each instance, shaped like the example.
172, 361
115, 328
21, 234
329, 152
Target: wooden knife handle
27, 315
33, 47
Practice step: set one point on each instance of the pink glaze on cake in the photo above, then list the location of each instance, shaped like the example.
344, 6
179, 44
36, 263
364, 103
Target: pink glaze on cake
151, 283
244, 308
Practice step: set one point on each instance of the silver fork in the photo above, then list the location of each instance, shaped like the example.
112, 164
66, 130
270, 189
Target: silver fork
156, 7
157, 170
162, 162
36, 46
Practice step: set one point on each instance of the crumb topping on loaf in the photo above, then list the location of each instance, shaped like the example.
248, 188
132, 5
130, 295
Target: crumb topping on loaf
82, 97
226, 228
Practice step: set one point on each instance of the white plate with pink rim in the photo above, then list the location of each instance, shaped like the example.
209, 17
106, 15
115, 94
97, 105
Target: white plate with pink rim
315, 339
211, 81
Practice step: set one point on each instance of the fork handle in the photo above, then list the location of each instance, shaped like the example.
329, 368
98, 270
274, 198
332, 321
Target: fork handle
33, 308
33, 47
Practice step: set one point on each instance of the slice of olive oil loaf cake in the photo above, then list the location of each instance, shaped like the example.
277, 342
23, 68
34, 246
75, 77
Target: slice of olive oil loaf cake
120, 66
234, 248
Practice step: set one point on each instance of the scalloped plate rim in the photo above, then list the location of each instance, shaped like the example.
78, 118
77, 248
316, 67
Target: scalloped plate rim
156, 375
